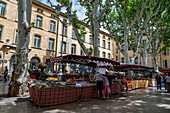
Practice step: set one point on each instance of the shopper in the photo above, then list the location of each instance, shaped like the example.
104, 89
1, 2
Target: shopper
168, 83
106, 86
5, 74
91, 76
99, 80
37, 76
158, 79
110, 81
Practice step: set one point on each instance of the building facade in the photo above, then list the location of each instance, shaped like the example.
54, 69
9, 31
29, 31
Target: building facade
43, 40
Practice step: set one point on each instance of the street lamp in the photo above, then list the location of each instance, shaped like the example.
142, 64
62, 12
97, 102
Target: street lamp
58, 8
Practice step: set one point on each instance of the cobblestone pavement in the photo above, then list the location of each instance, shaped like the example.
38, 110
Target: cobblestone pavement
148, 100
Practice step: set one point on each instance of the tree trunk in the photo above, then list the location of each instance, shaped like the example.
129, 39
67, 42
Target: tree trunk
95, 38
126, 54
18, 84
155, 63
145, 57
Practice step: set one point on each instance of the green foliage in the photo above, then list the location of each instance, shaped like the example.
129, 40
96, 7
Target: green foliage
90, 50
32, 24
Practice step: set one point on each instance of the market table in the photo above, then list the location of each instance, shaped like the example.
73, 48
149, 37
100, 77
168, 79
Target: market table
134, 84
61, 95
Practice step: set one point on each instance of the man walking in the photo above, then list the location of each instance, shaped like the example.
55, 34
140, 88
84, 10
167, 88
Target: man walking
158, 79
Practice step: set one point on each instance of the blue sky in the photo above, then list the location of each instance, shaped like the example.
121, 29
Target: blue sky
76, 6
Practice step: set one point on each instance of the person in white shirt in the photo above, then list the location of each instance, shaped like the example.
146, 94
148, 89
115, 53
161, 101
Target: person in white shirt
168, 83
99, 81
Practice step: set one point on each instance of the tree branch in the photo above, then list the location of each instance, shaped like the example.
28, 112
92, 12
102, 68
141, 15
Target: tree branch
79, 40
106, 8
137, 17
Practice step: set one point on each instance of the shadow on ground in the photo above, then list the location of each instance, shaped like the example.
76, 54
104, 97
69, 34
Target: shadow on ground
138, 101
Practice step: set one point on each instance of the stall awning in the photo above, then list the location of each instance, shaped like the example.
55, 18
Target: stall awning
165, 71
84, 60
132, 67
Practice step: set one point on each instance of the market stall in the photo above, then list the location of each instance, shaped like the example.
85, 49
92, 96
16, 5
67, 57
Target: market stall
134, 82
65, 94
52, 92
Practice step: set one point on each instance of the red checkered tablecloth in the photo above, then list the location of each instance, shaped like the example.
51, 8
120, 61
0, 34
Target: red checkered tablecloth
53, 96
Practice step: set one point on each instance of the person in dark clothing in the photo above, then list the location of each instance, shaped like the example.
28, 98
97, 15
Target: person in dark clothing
37, 76
5, 74
158, 79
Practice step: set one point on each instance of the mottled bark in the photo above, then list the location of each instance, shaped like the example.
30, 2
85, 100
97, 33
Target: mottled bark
145, 57
18, 84
155, 62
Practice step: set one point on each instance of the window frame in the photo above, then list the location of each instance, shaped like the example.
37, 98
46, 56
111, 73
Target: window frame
1, 27
2, 14
73, 34
81, 52
16, 36
117, 50
90, 39
35, 36
53, 16
104, 55
49, 47
64, 47
109, 56
52, 26
109, 45
72, 49
39, 21
39, 10
117, 59
104, 44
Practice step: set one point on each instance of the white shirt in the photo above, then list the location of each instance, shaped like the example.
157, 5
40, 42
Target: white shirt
167, 79
98, 77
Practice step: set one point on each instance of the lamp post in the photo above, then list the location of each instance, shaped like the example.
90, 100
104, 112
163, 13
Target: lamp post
58, 8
